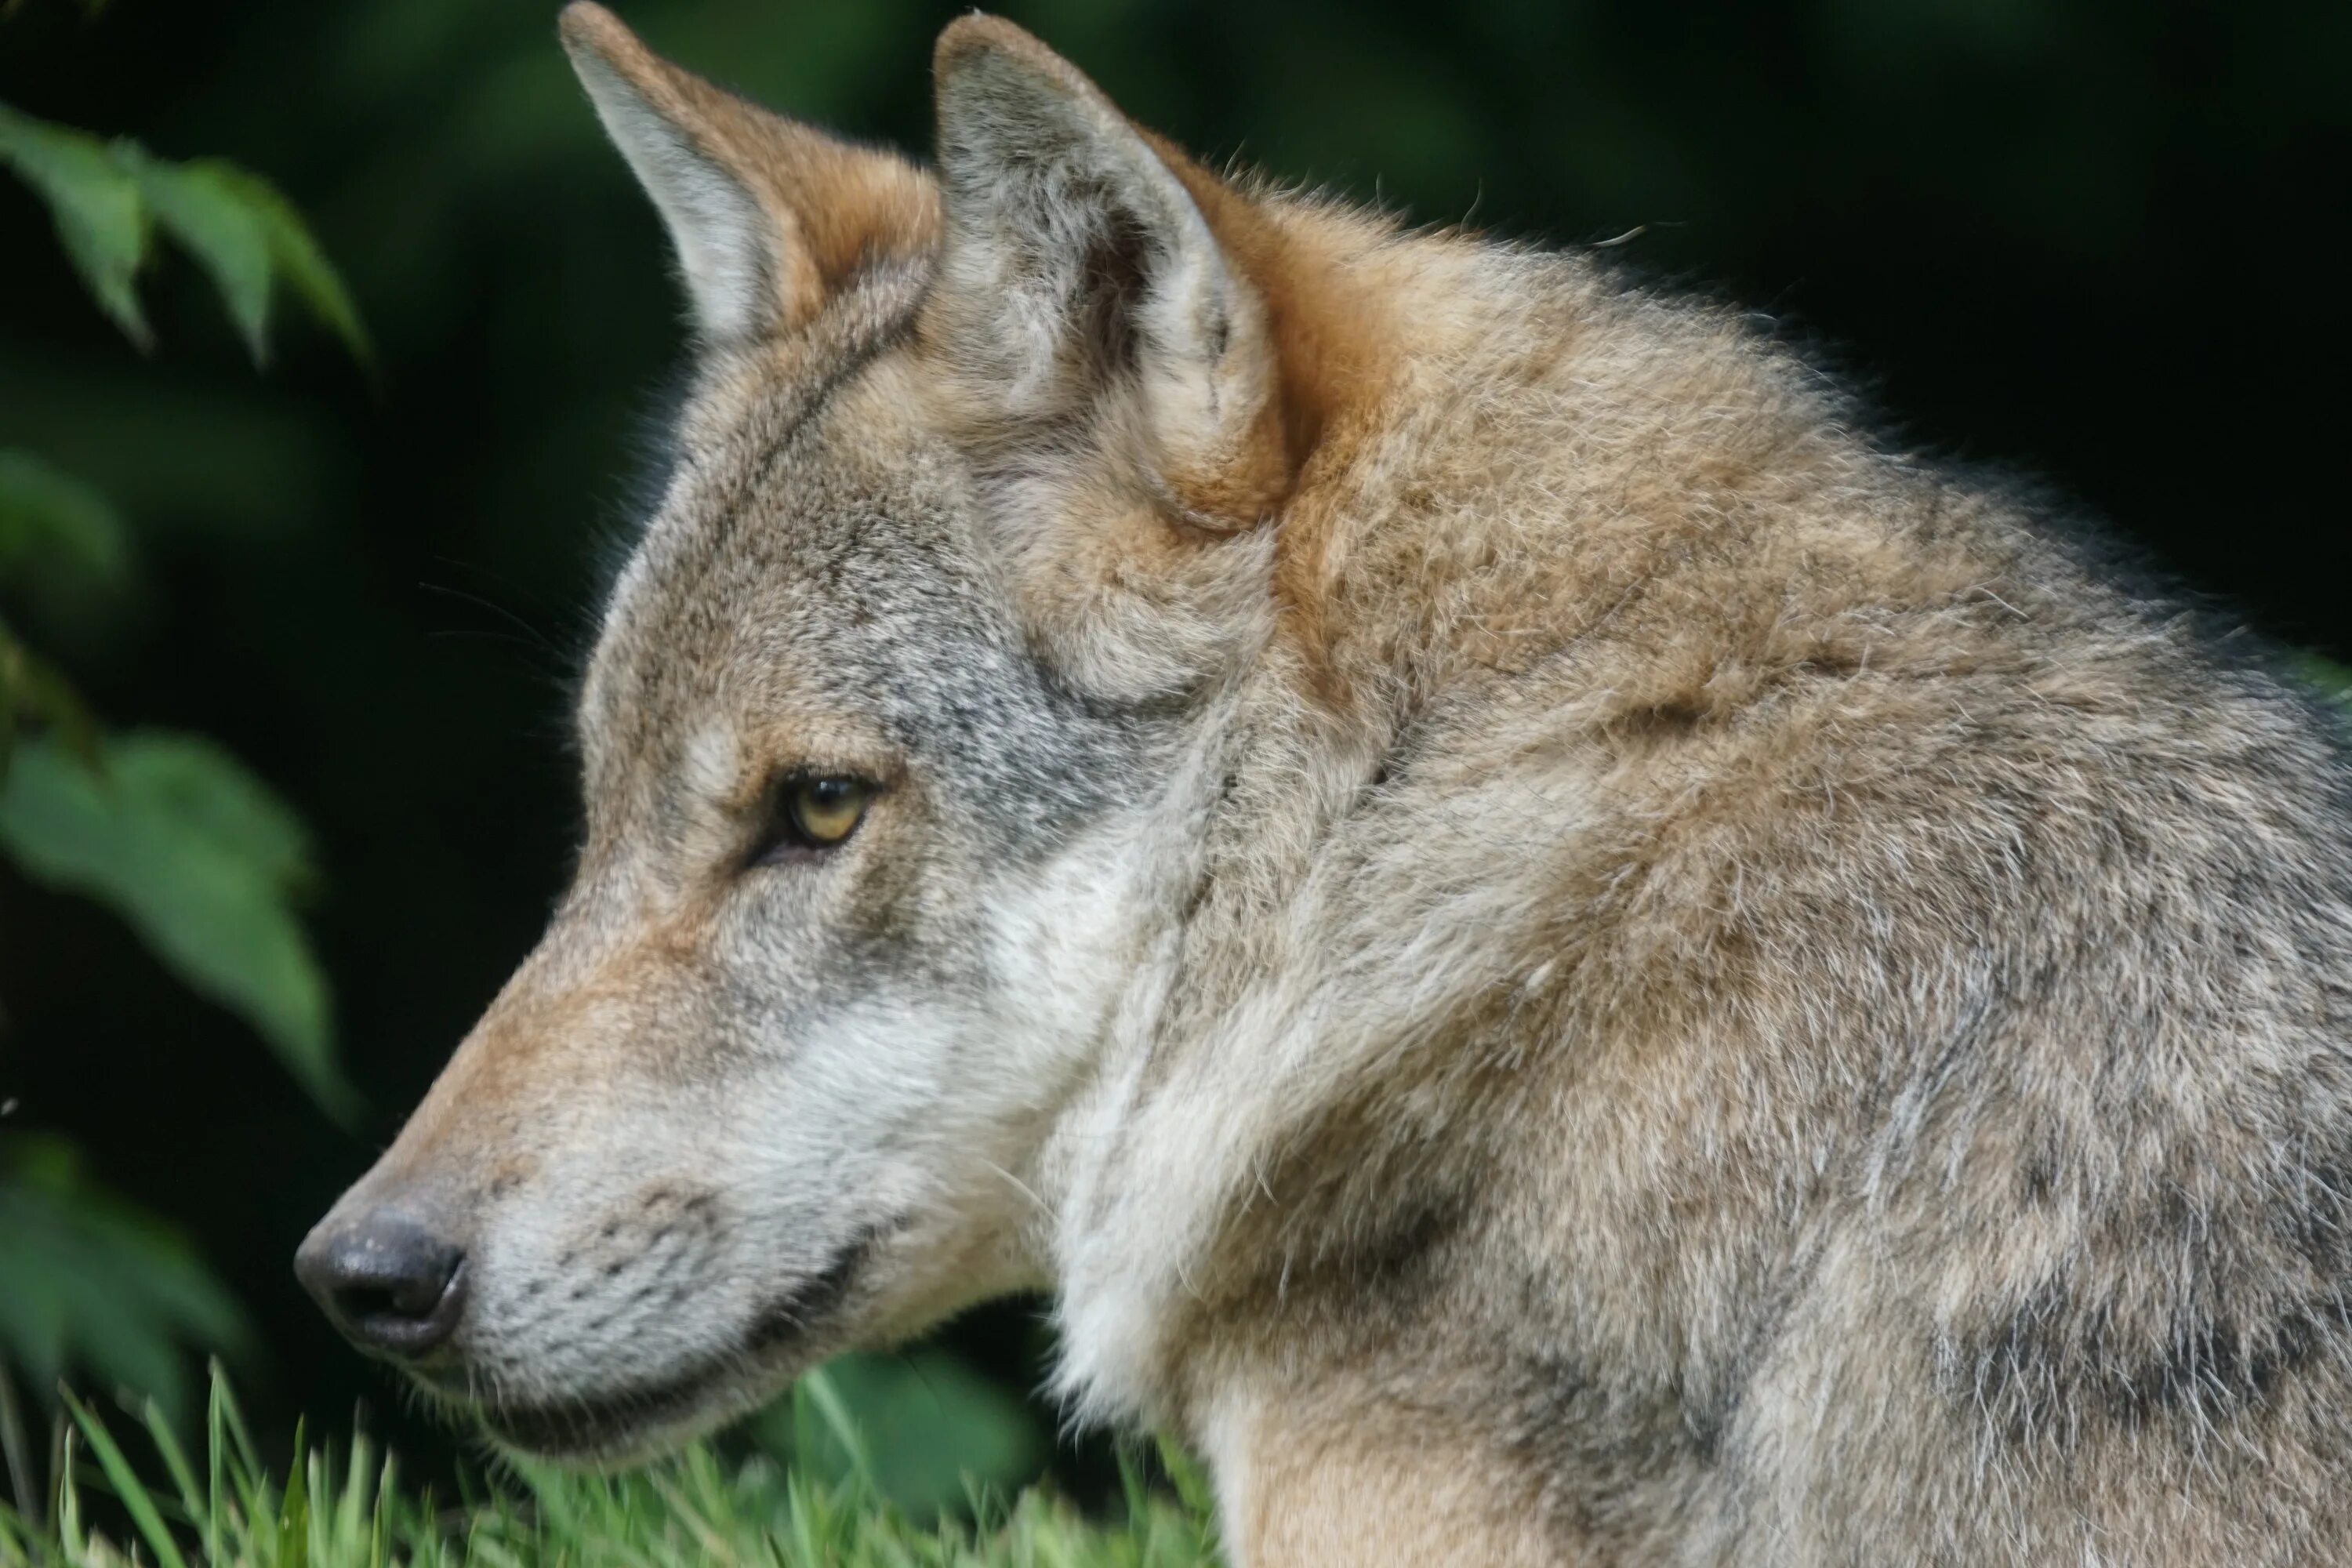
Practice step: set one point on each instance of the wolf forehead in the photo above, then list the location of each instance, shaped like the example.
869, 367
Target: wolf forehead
817, 587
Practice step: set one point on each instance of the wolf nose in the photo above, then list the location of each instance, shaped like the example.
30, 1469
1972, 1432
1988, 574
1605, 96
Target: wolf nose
388, 1283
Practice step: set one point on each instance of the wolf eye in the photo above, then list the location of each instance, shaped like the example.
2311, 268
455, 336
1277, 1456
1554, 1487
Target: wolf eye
815, 811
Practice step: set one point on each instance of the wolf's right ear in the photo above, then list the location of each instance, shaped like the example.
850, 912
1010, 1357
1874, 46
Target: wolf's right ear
768, 217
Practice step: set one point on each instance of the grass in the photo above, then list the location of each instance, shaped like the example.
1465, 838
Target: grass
223, 1507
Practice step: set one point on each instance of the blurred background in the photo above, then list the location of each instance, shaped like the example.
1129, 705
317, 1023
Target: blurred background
2103, 241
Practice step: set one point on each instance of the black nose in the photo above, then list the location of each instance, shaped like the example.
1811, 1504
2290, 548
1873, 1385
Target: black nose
391, 1285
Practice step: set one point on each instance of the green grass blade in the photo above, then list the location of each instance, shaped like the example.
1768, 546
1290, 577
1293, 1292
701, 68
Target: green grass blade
184, 1475
1191, 1481
68, 1512
128, 1489
294, 1513
244, 1459
345, 1508
818, 1389
215, 1458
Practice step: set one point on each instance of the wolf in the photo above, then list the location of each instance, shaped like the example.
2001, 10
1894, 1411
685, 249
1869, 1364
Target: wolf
1550, 952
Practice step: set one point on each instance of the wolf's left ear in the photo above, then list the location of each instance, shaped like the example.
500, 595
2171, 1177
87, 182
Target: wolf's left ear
768, 217
1084, 271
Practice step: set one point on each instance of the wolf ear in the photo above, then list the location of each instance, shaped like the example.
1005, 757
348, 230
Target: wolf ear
768, 217
1081, 268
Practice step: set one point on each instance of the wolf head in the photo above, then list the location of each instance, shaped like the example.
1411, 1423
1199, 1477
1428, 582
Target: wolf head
894, 745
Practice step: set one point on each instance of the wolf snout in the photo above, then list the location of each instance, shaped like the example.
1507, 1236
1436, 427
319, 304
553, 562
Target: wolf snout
388, 1280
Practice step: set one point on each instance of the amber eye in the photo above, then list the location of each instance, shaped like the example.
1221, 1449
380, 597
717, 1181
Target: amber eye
815, 812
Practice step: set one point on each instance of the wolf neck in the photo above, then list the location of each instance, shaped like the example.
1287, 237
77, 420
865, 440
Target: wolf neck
1498, 582
1323, 955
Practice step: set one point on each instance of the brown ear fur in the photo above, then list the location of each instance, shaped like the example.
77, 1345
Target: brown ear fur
1332, 356
835, 206
1329, 349
1322, 344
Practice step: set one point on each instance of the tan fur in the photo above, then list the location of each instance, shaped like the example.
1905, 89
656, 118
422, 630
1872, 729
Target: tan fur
1633, 977
1322, 1479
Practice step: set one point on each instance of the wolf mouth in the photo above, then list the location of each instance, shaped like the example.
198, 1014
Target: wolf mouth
609, 1420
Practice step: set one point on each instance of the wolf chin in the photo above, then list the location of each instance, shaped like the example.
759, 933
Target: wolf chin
1551, 953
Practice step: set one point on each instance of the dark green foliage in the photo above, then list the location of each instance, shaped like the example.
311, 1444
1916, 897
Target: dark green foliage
168, 830
109, 199
204, 862
926, 1428
96, 1282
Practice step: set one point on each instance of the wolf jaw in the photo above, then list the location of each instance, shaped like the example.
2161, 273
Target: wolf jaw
633, 1421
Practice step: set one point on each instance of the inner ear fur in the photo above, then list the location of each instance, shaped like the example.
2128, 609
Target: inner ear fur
1091, 271
768, 217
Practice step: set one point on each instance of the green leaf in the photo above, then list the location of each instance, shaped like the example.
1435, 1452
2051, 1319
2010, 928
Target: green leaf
94, 203
176, 837
920, 1428
299, 259
200, 785
96, 1284
31, 689
2330, 677
106, 197
205, 208
51, 522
